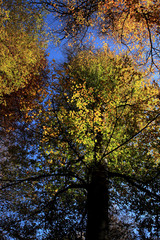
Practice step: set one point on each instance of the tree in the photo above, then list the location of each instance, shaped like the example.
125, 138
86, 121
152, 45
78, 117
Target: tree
23, 59
23, 78
99, 145
135, 24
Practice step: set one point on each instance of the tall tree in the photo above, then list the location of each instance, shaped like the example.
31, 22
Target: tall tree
99, 145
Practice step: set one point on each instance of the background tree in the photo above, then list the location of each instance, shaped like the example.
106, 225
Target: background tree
23, 78
135, 24
23, 61
98, 134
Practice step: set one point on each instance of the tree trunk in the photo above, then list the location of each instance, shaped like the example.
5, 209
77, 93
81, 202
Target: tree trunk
97, 221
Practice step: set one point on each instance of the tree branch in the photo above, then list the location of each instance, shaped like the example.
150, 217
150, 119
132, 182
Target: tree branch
129, 139
14, 182
134, 183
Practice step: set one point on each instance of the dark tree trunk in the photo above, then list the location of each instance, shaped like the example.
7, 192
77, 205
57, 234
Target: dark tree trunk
97, 222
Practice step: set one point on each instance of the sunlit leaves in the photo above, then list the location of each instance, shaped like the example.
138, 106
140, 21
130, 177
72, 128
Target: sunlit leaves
103, 99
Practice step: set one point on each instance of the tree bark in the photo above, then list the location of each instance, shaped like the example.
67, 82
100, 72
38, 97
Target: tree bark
97, 221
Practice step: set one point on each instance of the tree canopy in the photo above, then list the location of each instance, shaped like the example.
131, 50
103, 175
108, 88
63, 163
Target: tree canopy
135, 24
23, 62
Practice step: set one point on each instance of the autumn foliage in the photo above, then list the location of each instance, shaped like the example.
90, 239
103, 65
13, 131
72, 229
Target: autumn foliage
132, 24
22, 63
83, 153
102, 102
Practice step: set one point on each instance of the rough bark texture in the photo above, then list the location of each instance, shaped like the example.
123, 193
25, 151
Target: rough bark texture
97, 223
